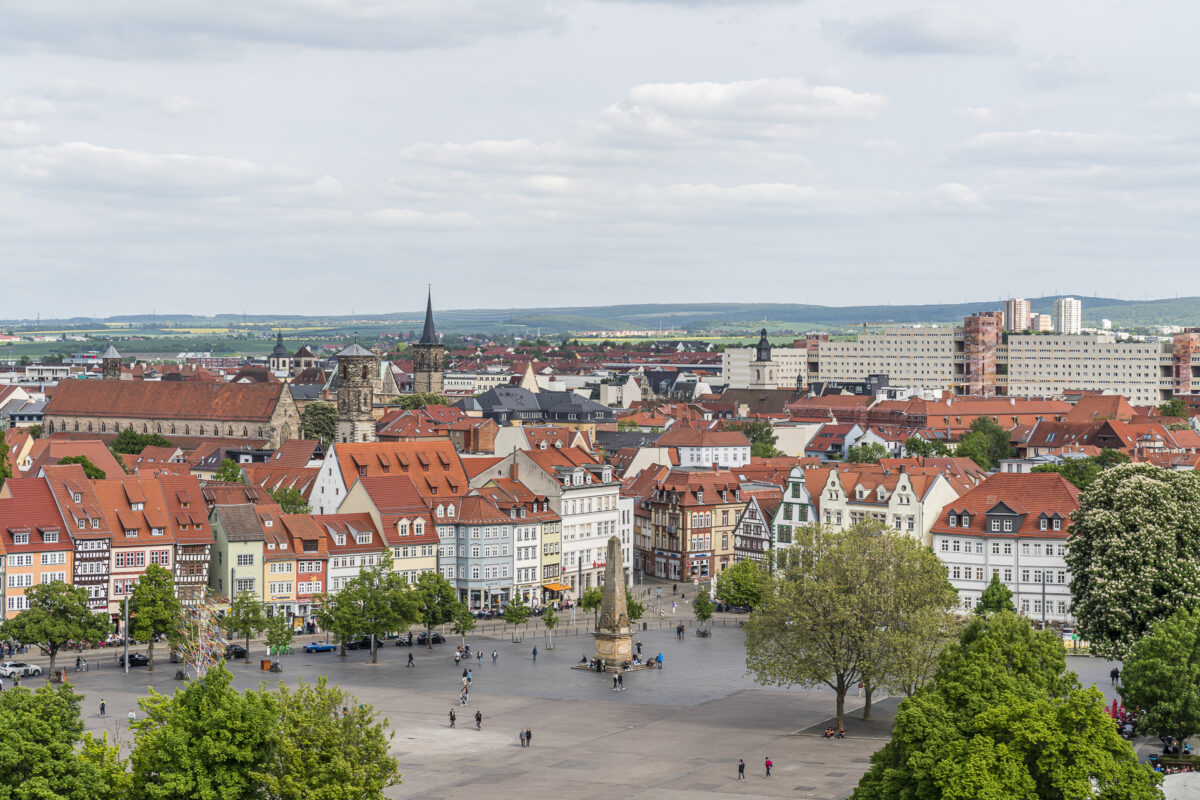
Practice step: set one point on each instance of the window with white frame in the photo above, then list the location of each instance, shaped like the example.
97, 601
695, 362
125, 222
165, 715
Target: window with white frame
245, 560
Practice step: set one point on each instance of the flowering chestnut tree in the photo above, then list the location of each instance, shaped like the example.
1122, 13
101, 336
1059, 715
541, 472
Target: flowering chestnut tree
1134, 553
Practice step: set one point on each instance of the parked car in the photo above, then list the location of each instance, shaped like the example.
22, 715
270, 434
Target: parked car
11, 668
405, 641
234, 651
319, 647
135, 660
359, 644
437, 638
176, 657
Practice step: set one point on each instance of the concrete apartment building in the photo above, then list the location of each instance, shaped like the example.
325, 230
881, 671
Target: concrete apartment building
1068, 315
1016, 314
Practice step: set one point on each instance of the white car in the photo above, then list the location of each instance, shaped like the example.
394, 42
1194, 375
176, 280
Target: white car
11, 668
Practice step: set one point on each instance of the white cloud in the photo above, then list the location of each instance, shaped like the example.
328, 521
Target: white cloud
204, 28
1052, 149
410, 218
934, 30
17, 131
1059, 71
975, 113
763, 108
1177, 101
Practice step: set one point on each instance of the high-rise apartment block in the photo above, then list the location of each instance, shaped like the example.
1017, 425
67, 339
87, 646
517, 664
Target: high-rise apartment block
1041, 323
1016, 315
1068, 315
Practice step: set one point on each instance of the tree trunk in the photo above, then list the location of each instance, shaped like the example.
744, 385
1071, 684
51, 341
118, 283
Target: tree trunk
841, 705
342, 640
53, 655
150, 654
247, 647
868, 690
429, 637
374, 651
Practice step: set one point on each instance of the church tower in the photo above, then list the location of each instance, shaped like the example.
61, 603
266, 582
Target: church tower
429, 357
764, 373
281, 360
111, 361
356, 370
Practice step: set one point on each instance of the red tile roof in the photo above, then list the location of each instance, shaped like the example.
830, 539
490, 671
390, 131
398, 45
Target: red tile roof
701, 437
250, 402
1031, 494
433, 465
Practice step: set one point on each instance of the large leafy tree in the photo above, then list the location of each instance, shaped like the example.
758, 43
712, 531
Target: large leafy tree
1173, 408
278, 632
41, 757
337, 615
868, 453
633, 609
319, 421
591, 601
207, 741
1004, 719
702, 606
1134, 553
419, 400
229, 471
320, 753
1082, 471
742, 584
923, 448
290, 500
836, 608
437, 603
247, 617
996, 597
761, 435
1161, 676
58, 614
90, 470
986, 443
131, 442
516, 613
154, 610
462, 623
380, 600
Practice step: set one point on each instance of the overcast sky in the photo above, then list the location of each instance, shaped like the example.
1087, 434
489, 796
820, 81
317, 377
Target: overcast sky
324, 156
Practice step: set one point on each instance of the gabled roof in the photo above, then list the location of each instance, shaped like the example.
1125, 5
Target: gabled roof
294, 453
1030, 494
48, 452
31, 509
348, 525
241, 523
68, 482
433, 465
701, 437
249, 402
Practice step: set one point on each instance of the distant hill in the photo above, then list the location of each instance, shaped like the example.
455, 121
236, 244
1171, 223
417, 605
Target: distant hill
689, 316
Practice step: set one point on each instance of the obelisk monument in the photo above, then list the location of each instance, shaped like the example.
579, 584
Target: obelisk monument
614, 639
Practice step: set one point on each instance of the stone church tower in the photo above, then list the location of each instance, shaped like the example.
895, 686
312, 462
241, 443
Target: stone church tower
764, 373
111, 361
429, 357
357, 368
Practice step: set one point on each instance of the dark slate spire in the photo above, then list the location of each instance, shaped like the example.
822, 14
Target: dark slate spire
429, 336
279, 350
764, 347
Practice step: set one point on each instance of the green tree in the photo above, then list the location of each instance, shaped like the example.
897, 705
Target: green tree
229, 471
1004, 719
319, 421
417, 400
550, 620
627, 424
381, 600
908, 661
437, 603
337, 615
89, 469
58, 614
206, 741
1161, 676
833, 614
154, 610
986, 444
633, 609
290, 500
703, 607
742, 584
131, 442
45, 755
462, 623
516, 613
35, 431
247, 617
1082, 471
868, 453
1173, 408
591, 601
319, 753
917, 447
278, 633
995, 598
761, 435
1134, 553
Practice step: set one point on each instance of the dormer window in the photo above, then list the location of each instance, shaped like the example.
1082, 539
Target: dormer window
95, 523
77, 497
81, 522
966, 520
419, 527
138, 506
339, 539
267, 523
450, 510
20, 538
1043, 524
700, 496
131, 533
157, 531
953, 520
47, 536
1057, 524
441, 511
860, 494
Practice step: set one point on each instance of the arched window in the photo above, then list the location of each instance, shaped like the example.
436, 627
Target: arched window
103, 426
51, 426
366, 373
172, 428
76, 424
89, 427
245, 432
145, 428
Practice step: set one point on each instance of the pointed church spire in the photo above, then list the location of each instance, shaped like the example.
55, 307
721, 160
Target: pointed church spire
429, 336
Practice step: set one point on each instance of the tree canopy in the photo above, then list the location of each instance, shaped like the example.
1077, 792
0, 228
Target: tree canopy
742, 584
1161, 676
1173, 408
131, 442
996, 597
58, 613
702, 606
419, 400
591, 600
986, 443
229, 471
154, 610
1082, 471
1134, 553
761, 435
5, 467
379, 600
437, 602
319, 421
832, 614
247, 617
1004, 719
290, 500
89, 469
921, 448
633, 609
868, 453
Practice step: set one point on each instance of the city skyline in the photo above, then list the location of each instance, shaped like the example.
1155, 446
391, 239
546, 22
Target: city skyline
209, 153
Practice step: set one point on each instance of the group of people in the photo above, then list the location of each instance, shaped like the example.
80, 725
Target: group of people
830, 733
81, 664
680, 631
767, 764
526, 736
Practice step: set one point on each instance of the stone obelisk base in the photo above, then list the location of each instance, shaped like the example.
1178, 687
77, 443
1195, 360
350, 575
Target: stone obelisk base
615, 648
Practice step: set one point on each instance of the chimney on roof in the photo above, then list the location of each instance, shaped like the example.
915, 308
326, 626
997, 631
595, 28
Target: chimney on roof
512, 471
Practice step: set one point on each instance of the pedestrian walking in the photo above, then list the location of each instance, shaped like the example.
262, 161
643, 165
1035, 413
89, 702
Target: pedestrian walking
78, 663
465, 682
672, 606
639, 647
741, 767
478, 720
479, 657
469, 676
132, 716
768, 765
453, 718
528, 737
457, 657
620, 681
860, 688
495, 655
102, 706
1114, 675
410, 663
535, 654
614, 683
521, 736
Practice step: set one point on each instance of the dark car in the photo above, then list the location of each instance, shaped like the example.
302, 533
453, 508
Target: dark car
235, 651
405, 641
176, 657
359, 644
135, 660
320, 647
437, 638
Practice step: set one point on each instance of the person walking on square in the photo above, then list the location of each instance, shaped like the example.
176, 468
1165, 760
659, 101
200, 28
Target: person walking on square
102, 706
741, 769
614, 683
521, 736
768, 765
535, 654
470, 675
528, 737
453, 718
478, 720
410, 663
620, 681
1114, 675
495, 655
479, 657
